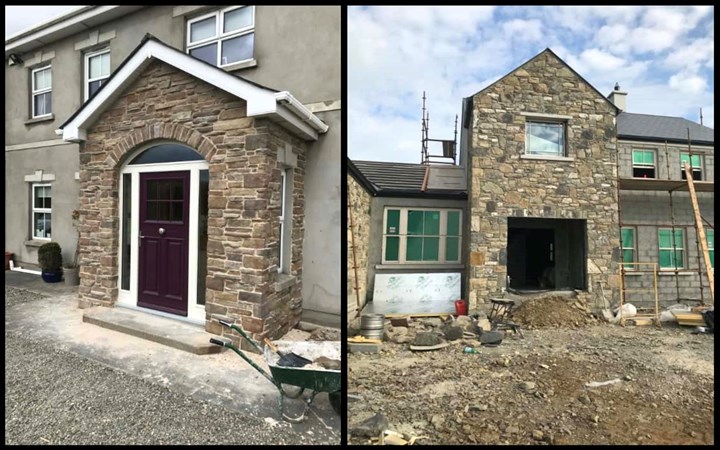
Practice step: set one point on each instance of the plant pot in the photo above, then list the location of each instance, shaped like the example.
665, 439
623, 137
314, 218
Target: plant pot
52, 277
8, 257
72, 276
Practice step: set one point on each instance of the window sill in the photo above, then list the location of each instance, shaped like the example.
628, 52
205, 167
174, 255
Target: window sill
36, 242
418, 266
241, 65
40, 119
285, 281
633, 274
667, 273
548, 158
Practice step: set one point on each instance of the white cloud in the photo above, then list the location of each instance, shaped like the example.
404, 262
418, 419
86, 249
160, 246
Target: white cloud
523, 30
687, 83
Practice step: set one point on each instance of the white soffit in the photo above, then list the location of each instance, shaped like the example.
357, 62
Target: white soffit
261, 102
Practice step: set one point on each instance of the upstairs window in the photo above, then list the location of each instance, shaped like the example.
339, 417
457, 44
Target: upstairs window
643, 163
41, 92
695, 165
223, 37
545, 138
97, 71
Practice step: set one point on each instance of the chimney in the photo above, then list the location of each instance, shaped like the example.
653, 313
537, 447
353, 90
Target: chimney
618, 98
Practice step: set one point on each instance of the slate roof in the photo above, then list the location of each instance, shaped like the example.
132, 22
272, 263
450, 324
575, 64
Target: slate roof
662, 128
390, 179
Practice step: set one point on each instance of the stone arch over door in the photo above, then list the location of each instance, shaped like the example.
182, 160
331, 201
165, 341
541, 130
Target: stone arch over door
100, 204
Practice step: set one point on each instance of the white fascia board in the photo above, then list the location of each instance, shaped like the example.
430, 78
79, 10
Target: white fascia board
301, 110
304, 129
39, 35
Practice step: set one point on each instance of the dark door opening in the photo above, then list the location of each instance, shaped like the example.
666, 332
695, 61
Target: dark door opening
546, 254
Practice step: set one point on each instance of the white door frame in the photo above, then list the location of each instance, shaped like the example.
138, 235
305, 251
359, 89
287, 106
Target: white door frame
128, 298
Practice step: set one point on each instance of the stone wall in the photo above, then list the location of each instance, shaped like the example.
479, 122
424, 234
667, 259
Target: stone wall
504, 183
359, 201
243, 217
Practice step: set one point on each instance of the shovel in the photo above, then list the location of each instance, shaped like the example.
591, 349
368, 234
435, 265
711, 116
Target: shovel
288, 359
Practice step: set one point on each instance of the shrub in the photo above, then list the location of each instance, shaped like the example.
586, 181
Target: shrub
50, 257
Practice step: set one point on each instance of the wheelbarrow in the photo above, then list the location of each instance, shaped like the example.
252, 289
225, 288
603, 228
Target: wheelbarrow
303, 378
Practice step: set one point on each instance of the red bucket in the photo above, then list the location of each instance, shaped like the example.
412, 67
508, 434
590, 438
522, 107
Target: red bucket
460, 308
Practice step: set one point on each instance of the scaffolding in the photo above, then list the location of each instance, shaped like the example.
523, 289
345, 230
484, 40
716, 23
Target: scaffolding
449, 147
691, 185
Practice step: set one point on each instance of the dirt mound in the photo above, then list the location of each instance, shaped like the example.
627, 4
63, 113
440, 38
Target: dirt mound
550, 312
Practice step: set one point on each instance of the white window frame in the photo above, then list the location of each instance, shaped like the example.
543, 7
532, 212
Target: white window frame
683, 238
40, 91
402, 234
86, 70
34, 210
219, 36
701, 168
635, 165
285, 219
540, 121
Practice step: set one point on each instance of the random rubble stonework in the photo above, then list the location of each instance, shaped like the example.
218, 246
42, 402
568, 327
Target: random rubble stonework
244, 197
503, 184
359, 201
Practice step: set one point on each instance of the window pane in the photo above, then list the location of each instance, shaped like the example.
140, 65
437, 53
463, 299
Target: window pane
166, 153
453, 223
41, 225
43, 79
451, 249
685, 157
666, 259
679, 239
414, 249
545, 138
43, 104
710, 238
392, 248
415, 222
202, 235
628, 257
99, 66
176, 211
207, 53
237, 49
238, 18
628, 239
665, 238
393, 221
202, 30
163, 211
94, 86
432, 223
151, 210
125, 227
680, 259
431, 247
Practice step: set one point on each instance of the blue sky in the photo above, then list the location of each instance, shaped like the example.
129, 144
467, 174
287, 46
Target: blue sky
662, 56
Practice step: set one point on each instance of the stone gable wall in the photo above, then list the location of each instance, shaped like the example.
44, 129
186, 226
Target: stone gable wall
503, 184
359, 201
244, 202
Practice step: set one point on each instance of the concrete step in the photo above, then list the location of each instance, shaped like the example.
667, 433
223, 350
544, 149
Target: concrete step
183, 336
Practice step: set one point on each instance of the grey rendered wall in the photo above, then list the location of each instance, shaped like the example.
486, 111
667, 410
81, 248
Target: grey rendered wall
321, 247
377, 210
63, 164
648, 211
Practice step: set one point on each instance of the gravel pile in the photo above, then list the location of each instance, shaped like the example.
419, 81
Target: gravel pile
550, 312
19, 296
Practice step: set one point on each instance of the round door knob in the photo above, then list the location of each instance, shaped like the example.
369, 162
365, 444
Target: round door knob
161, 231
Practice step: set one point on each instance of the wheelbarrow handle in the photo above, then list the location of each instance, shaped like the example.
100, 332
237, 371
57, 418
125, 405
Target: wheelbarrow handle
242, 333
217, 342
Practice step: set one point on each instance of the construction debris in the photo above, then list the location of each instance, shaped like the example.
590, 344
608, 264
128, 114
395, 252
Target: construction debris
423, 348
594, 384
371, 427
552, 312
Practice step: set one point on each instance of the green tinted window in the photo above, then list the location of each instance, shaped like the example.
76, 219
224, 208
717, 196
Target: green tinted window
453, 223
415, 222
393, 221
451, 249
392, 248
646, 157
628, 257
414, 249
710, 236
685, 157
628, 237
431, 249
432, 223
669, 256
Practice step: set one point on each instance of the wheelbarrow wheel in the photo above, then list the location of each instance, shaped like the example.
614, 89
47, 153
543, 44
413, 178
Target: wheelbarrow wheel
336, 401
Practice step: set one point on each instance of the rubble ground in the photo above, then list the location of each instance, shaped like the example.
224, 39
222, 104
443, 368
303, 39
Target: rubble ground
533, 390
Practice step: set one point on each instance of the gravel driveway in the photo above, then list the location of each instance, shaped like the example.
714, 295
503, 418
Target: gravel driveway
57, 397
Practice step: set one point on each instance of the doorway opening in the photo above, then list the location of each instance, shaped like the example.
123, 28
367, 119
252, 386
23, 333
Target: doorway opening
546, 254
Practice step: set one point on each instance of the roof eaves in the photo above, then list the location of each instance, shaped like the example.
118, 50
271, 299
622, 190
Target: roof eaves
361, 178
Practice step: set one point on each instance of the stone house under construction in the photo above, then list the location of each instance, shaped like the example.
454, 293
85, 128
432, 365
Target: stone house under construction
563, 185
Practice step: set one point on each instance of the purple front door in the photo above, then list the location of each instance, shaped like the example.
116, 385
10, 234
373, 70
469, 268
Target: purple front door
164, 227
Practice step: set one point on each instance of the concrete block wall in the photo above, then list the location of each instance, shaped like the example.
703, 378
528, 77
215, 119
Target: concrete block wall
625, 149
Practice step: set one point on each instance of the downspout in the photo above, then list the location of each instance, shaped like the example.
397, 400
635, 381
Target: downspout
301, 111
